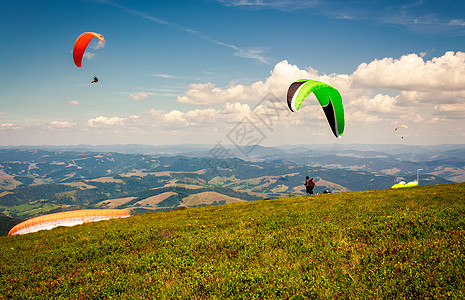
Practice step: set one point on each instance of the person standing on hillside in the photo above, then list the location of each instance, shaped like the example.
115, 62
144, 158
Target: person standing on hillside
309, 185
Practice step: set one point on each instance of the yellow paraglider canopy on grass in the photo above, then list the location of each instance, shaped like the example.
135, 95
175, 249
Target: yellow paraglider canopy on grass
402, 184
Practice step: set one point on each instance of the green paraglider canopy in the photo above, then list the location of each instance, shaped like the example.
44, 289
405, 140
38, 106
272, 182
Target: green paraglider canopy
329, 98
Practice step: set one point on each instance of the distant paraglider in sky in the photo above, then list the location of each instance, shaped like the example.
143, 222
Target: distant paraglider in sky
81, 44
401, 126
68, 218
405, 126
328, 97
94, 80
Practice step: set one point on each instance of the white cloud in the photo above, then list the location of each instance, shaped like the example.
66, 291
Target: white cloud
376, 97
137, 96
161, 120
201, 117
415, 88
102, 121
449, 111
9, 126
277, 83
175, 119
412, 73
58, 125
41, 127
175, 116
413, 98
73, 103
208, 94
379, 104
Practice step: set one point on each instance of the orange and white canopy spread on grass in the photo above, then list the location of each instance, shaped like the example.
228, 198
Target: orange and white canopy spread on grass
67, 218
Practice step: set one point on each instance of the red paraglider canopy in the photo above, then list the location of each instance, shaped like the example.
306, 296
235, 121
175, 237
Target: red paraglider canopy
81, 44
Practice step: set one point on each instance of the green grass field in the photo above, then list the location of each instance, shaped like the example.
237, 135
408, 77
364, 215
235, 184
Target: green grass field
388, 244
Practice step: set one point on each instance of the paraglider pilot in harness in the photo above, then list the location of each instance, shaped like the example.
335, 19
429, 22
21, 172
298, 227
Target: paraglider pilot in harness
309, 185
94, 80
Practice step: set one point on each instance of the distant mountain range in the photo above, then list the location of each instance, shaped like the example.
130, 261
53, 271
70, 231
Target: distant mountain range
447, 160
416, 151
35, 180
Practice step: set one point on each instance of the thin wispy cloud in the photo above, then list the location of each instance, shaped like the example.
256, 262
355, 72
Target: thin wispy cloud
164, 76
58, 124
284, 5
240, 52
408, 14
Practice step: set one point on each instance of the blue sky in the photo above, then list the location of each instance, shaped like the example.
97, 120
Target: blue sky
191, 71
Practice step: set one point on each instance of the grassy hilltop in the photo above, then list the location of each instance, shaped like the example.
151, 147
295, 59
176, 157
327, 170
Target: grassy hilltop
406, 243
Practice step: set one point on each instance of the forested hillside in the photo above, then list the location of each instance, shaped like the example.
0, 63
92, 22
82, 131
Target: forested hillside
35, 182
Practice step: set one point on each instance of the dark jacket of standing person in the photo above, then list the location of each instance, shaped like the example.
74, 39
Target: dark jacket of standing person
309, 185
